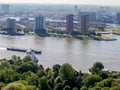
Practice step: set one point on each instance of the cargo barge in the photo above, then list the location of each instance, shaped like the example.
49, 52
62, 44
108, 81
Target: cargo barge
23, 50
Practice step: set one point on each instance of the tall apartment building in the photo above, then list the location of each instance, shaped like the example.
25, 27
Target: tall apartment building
39, 24
69, 22
85, 23
11, 26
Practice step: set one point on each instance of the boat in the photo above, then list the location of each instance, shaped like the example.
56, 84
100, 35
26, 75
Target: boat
23, 50
32, 55
37, 51
16, 49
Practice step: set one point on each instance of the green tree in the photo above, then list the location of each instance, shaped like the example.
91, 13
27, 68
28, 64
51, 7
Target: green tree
105, 83
2, 85
27, 58
105, 88
115, 88
58, 80
103, 74
90, 80
43, 83
50, 83
58, 86
75, 88
83, 88
41, 73
67, 87
66, 72
28, 66
95, 88
19, 86
56, 70
97, 66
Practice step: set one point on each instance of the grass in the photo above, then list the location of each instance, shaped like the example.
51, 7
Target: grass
113, 29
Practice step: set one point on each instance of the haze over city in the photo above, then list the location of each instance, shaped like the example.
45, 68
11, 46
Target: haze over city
89, 2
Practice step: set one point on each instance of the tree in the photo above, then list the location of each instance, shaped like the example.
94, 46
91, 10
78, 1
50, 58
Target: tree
58, 80
58, 87
90, 80
27, 58
56, 70
103, 74
18, 85
97, 66
105, 88
67, 87
43, 83
41, 73
66, 72
50, 83
83, 88
105, 83
75, 88
28, 66
31, 78
95, 88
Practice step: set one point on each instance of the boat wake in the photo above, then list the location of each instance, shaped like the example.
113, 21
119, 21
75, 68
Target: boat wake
2, 48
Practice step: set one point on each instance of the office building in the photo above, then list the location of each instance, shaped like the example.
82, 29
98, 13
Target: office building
11, 26
69, 22
85, 23
92, 16
5, 9
39, 24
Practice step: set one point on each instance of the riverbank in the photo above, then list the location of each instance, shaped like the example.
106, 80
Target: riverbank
103, 38
83, 37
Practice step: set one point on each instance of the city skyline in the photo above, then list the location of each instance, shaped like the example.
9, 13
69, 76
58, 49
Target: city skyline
88, 2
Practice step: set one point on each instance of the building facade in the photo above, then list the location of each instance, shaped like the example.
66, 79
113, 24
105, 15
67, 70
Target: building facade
11, 26
69, 22
39, 24
85, 23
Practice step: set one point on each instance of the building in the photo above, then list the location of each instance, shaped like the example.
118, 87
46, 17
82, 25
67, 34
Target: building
92, 16
39, 24
85, 23
69, 22
11, 26
5, 9
118, 17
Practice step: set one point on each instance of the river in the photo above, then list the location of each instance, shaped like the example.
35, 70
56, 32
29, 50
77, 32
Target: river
81, 54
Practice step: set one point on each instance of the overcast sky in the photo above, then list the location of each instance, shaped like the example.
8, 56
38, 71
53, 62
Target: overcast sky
96, 2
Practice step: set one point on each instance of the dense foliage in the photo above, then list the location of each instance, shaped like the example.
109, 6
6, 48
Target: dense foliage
23, 74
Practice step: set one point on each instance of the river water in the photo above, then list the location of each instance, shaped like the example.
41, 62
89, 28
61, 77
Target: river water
81, 54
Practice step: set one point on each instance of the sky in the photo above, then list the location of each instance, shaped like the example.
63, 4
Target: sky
88, 2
